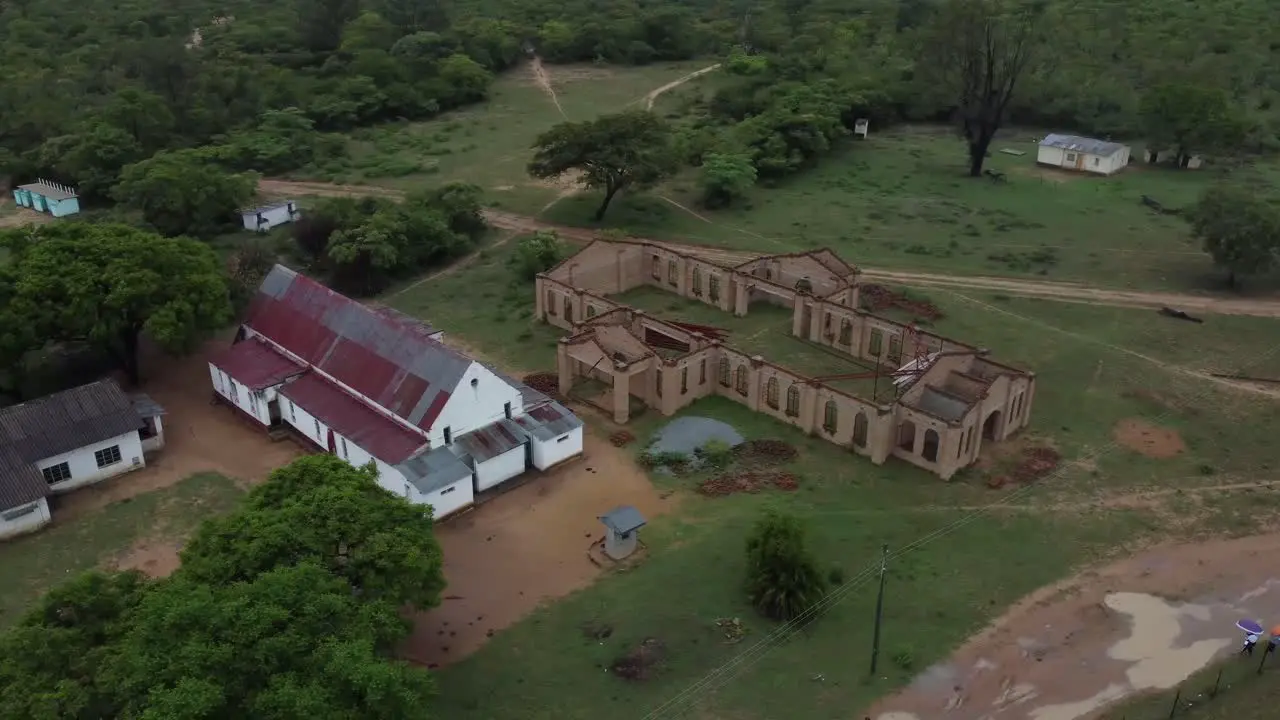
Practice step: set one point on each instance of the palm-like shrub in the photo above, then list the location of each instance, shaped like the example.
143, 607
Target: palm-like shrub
783, 579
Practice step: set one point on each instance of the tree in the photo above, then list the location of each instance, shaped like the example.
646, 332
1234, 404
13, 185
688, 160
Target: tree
1187, 118
613, 153
725, 178
1239, 229
183, 192
782, 577
107, 284
92, 158
320, 22
321, 509
977, 51
537, 253
461, 205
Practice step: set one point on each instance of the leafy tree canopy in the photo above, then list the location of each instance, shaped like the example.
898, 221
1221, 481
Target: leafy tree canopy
185, 193
107, 284
1239, 228
615, 152
1186, 119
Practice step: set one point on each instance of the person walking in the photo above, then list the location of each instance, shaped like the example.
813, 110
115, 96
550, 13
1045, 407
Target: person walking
1250, 641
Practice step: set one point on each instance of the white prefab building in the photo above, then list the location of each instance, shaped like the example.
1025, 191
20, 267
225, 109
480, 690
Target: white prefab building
68, 440
372, 385
1082, 154
262, 219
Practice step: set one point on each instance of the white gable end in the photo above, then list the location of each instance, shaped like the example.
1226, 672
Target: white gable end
481, 398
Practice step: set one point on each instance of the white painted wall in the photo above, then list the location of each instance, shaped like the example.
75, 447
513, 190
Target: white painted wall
448, 500
1050, 156
25, 518
474, 406
253, 404
499, 469
155, 442
273, 217
1098, 164
84, 468
556, 450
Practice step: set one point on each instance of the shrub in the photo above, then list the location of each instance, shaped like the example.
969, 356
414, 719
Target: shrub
783, 580
537, 253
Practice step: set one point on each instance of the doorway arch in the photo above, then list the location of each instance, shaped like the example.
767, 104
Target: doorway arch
991, 425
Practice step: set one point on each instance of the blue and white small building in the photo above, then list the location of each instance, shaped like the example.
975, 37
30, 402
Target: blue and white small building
262, 219
47, 196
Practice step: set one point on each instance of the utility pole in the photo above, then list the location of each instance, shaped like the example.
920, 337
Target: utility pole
875, 641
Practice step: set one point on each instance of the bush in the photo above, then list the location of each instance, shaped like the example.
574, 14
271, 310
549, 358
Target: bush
537, 253
783, 580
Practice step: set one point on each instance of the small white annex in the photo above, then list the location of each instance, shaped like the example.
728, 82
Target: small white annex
262, 219
68, 440
1081, 154
372, 385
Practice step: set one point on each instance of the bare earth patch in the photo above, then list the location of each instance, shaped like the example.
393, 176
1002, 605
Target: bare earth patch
1070, 649
156, 558
526, 547
1147, 439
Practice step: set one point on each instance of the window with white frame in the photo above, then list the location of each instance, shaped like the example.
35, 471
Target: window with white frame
14, 514
107, 456
57, 473
345, 456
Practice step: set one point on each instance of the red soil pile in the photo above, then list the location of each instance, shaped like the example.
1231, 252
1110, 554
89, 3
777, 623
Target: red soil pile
764, 451
622, 438
544, 382
640, 664
1035, 463
748, 482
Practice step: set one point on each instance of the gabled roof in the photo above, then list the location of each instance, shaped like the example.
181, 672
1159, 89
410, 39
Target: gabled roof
383, 355
548, 421
434, 470
491, 440
56, 424
346, 415
623, 519
68, 420
255, 364
1081, 144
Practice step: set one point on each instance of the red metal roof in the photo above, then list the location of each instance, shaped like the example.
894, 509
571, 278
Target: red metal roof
347, 416
255, 364
492, 440
385, 356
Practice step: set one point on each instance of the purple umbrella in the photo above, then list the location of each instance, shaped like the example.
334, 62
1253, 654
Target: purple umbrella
1253, 627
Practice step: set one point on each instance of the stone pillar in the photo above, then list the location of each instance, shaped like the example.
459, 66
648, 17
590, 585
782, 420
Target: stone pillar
753, 382
817, 321
809, 409
539, 298
797, 317
621, 394
882, 433
741, 298
1026, 401
671, 397
564, 364
727, 291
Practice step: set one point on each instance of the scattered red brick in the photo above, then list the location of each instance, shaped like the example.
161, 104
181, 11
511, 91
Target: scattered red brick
546, 383
878, 297
640, 664
749, 482
1035, 463
622, 438
765, 451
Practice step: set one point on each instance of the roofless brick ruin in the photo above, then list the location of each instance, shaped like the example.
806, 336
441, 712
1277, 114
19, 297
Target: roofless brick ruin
938, 400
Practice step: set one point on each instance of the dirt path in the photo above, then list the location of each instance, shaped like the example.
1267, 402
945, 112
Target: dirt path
1069, 650
653, 95
1046, 289
543, 80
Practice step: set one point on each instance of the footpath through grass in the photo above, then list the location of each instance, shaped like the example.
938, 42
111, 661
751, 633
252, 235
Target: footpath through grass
1095, 367
32, 564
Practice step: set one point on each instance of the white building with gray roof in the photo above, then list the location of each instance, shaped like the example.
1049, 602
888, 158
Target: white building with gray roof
1082, 154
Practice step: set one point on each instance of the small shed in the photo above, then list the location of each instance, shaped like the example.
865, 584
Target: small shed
47, 196
1081, 154
262, 219
622, 526
152, 430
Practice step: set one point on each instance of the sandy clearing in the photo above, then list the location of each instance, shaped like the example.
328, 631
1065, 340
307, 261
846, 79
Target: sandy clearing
654, 94
543, 80
1069, 650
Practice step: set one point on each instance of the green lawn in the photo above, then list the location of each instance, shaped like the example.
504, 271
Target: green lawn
32, 564
489, 144
901, 200
1095, 366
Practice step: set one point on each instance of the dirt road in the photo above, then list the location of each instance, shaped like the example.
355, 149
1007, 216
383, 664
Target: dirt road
1071, 649
653, 95
1046, 289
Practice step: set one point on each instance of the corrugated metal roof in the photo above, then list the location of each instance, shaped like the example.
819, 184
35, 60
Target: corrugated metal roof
47, 190
65, 421
491, 441
145, 406
20, 482
943, 406
387, 357
623, 519
347, 416
1081, 144
528, 396
434, 470
267, 208
548, 422
255, 364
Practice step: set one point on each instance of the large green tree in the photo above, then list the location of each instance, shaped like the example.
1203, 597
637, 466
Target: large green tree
323, 510
185, 193
1239, 228
783, 579
628, 150
1189, 119
975, 54
108, 284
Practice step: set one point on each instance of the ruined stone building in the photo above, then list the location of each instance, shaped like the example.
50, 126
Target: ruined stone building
948, 399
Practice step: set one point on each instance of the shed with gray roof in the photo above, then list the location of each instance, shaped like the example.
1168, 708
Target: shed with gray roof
1082, 154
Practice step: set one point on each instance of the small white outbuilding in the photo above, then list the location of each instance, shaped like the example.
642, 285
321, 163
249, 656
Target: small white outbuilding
262, 219
1081, 154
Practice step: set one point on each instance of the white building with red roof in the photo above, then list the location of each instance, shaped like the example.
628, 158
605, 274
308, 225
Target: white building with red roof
374, 385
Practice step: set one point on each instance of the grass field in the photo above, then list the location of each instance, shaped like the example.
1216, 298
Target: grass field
1242, 694
30, 565
1095, 366
489, 144
901, 200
